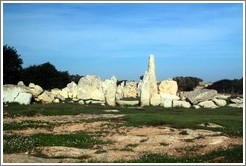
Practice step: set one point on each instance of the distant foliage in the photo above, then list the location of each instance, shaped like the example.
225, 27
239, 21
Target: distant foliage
11, 65
45, 75
75, 78
187, 83
228, 86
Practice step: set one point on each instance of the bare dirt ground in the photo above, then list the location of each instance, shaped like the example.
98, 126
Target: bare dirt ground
125, 143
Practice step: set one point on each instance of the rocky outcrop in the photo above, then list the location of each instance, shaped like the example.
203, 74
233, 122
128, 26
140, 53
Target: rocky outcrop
168, 87
109, 87
90, 87
17, 93
201, 95
149, 85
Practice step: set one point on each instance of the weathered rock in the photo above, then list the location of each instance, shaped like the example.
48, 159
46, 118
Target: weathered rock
169, 97
240, 105
145, 91
155, 100
183, 104
16, 93
182, 95
120, 91
46, 97
56, 101
64, 92
56, 91
201, 95
223, 97
94, 102
81, 102
109, 87
127, 102
130, 89
237, 100
166, 103
90, 87
36, 90
168, 87
149, 85
219, 102
21, 83
196, 106
208, 104
72, 90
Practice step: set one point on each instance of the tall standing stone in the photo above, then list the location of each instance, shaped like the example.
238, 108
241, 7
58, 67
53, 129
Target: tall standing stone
149, 85
109, 87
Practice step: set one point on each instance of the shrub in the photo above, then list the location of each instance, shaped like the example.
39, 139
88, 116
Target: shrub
187, 83
228, 86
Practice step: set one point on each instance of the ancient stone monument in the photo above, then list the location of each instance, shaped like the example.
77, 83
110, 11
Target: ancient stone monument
149, 85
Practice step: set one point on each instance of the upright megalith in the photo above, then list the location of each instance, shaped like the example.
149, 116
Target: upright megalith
149, 85
109, 87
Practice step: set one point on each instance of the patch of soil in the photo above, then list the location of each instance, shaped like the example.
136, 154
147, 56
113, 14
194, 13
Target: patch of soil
124, 143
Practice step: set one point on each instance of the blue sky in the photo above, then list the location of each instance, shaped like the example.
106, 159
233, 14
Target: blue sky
203, 40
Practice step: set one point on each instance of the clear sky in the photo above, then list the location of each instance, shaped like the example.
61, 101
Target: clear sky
201, 40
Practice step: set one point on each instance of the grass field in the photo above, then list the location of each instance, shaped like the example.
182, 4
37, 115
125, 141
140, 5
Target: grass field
180, 118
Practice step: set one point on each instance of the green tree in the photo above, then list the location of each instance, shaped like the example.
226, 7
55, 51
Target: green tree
11, 65
45, 75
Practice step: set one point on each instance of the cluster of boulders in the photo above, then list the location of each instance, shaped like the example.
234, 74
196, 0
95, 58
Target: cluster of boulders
92, 90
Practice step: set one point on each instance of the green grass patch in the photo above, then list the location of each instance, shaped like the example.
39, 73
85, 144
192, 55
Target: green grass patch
53, 109
231, 155
15, 144
230, 118
26, 125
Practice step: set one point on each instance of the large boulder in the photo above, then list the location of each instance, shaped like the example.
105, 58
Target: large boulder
168, 87
46, 97
130, 89
208, 104
72, 90
17, 93
36, 90
90, 87
182, 104
109, 87
201, 95
149, 85
219, 102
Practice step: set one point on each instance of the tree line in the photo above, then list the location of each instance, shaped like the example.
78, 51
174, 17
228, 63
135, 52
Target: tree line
48, 77
45, 75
